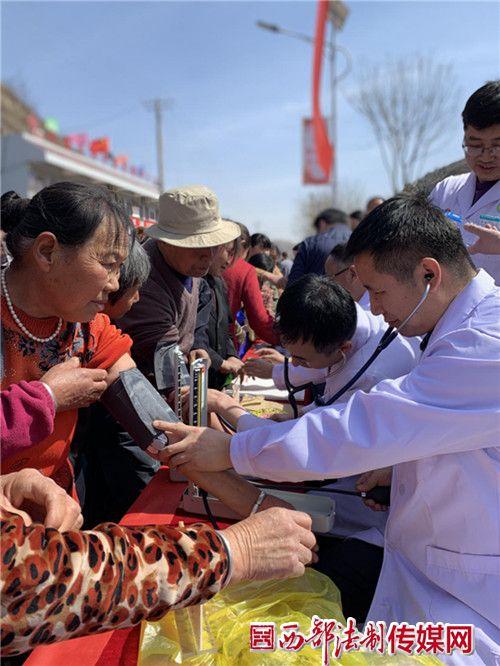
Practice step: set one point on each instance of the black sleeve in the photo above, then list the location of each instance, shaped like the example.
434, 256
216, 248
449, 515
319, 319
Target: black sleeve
202, 316
230, 348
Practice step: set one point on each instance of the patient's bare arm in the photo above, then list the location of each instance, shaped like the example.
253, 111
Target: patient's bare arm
233, 490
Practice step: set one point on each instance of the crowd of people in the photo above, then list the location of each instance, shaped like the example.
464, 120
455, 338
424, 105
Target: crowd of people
85, 303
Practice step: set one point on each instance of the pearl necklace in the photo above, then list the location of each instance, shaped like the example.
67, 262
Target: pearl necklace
19, 322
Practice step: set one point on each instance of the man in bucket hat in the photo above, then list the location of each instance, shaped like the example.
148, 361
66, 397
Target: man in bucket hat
180, 247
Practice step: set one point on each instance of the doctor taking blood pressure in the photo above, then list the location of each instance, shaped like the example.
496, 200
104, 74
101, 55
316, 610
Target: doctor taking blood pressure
438, 427
385, 341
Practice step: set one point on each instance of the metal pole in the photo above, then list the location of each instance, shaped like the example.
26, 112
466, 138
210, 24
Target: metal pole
333, 47
157, 106
333, 111
159, 143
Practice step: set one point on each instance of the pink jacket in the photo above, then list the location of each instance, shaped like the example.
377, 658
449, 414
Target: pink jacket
27, 416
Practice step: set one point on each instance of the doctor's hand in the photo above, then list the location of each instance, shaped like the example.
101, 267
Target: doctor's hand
368, 480
488, 241
271, 355
200, 449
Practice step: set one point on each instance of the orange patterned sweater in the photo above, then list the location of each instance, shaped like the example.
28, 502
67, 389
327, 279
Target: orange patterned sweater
57, 585
98, 344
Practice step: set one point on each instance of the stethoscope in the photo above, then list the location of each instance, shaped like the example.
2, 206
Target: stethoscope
390, 334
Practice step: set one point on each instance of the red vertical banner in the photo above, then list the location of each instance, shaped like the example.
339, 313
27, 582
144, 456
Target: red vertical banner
324, 150
312, 173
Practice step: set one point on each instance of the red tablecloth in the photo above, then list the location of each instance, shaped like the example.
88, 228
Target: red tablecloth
157, 505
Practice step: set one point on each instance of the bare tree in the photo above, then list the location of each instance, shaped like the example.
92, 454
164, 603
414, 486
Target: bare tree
408, 103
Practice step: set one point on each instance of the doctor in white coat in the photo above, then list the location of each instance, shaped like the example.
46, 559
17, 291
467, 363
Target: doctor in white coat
475, 196
302, 310
439, 427
341, 269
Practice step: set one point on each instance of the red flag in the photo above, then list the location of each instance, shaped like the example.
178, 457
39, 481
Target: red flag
99, 146
121, 160
324, 150
33, 123
78, 141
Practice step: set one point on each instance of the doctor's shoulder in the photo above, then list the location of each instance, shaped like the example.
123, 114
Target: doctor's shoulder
477, 342
448, 187
486, 320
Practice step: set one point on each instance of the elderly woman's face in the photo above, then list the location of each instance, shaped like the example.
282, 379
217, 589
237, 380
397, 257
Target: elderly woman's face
82, 278
224, 255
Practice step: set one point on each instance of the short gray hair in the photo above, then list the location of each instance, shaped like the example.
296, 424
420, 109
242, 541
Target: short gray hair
133, 273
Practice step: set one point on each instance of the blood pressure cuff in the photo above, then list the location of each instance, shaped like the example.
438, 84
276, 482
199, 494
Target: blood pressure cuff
135, 404
164, 361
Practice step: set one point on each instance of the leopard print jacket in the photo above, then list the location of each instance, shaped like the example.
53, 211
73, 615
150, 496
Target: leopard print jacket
56, 585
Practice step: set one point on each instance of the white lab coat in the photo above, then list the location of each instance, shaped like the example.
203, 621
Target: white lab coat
364, 301
455, 194
389, 365
352, 517
440, 427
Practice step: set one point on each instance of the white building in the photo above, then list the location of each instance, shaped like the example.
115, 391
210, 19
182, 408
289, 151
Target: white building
31, 162
33, 158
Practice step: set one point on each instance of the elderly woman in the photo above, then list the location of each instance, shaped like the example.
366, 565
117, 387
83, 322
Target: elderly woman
110, 468
67, 245
59, 582
133, 274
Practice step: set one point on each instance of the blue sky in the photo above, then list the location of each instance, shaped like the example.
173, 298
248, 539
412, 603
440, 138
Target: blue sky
239, 92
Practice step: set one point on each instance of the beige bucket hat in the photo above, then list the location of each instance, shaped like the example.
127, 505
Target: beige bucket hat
189, 217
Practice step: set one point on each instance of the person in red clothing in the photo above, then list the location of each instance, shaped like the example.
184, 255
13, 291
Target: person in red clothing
243, 290
67, 245
114, 576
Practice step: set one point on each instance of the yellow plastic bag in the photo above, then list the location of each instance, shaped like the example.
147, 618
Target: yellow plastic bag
228, 616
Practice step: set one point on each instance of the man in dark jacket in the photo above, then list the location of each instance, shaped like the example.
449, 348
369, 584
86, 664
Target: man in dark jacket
223, 356
332, 228
181, 247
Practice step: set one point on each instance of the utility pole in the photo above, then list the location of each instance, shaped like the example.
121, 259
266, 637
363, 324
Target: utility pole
157, 106
338, 12
333, 118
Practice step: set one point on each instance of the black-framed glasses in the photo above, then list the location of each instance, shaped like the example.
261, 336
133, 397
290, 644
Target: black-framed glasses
475, 151
340, 272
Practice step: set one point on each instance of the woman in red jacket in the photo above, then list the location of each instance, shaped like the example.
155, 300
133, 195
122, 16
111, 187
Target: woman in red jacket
243, 290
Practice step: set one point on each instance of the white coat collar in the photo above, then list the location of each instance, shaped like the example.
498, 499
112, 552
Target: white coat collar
462, 305
367, 325
364, 301
466, 195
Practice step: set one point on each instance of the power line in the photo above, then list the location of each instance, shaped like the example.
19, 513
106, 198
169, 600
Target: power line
101, 121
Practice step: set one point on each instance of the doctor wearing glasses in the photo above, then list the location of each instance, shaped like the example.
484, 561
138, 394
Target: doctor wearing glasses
438, 426
475, 197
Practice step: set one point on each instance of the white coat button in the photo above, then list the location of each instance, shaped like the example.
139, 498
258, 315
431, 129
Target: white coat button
402, 488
